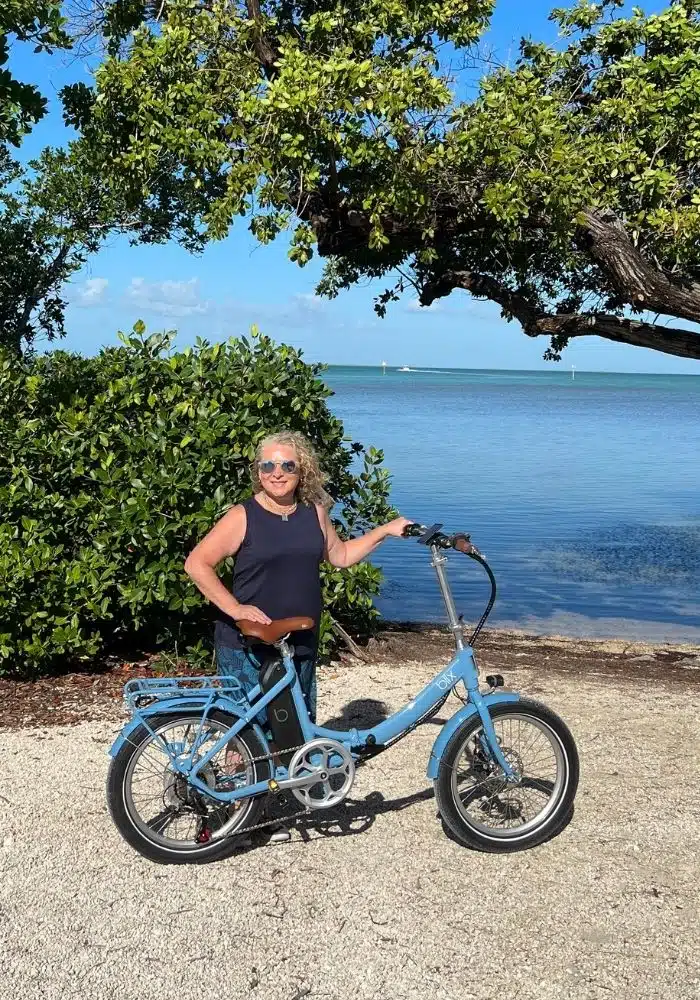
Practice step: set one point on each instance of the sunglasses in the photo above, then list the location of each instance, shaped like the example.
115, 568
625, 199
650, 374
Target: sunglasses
290, 467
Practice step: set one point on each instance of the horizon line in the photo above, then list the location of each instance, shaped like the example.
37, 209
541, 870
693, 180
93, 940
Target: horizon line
534, 371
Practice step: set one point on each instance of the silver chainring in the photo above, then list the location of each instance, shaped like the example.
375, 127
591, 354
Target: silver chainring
330, 769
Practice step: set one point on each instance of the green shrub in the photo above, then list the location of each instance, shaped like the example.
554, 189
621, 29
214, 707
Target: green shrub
113, 467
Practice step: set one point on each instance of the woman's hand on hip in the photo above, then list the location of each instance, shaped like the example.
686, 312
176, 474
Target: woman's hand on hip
249, 613
396, 526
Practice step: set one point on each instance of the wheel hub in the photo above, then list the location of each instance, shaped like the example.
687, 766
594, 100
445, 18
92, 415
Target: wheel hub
497, 781
178, 794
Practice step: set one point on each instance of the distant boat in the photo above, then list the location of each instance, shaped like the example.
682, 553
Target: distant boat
404, 369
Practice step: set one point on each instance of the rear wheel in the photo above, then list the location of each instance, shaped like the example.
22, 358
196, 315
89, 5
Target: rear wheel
485, 811
159, 813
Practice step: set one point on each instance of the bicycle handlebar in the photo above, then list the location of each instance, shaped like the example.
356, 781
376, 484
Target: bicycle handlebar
433, 536
413, 530
462, 543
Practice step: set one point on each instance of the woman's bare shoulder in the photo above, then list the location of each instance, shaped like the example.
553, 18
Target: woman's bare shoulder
224, 539
235, 513
232, 525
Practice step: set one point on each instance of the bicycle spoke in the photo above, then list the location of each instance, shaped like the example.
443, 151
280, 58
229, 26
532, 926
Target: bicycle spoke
481, 790
163, 804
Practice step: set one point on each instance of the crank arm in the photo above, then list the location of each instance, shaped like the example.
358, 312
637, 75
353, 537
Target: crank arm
289, 783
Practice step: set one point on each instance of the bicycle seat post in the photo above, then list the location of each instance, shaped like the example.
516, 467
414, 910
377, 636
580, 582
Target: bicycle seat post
283, 646
439, 562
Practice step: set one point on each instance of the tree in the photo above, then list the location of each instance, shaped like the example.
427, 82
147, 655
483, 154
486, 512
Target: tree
53, 213
40, 22
52, 217
566, 191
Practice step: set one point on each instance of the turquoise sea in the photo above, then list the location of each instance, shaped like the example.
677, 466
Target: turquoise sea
583, 493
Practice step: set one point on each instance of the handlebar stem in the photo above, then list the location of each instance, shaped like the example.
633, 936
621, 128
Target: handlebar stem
438, 562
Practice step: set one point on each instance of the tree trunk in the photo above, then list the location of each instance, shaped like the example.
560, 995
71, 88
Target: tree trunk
637, 281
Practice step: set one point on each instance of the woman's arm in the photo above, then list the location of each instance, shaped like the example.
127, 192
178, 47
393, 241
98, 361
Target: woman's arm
343, 554
224, 539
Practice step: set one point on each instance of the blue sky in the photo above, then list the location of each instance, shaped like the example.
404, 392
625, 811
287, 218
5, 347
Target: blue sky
235, 282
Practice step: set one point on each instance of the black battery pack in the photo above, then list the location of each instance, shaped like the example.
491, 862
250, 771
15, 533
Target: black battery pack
281, 713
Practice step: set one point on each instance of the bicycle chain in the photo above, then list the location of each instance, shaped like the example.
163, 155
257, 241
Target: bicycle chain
272, 795
275, 821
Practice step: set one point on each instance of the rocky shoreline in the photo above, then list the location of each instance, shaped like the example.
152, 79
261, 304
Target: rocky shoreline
90, 695
499, 649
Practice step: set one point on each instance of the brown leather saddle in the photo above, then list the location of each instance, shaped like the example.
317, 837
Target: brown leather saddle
277, 628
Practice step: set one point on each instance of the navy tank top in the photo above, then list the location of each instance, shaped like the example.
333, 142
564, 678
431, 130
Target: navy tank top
277, 568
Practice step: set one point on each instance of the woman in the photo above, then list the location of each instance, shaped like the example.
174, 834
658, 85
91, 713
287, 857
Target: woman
279, 536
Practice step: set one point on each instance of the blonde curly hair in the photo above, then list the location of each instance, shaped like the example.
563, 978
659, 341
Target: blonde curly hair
311, 479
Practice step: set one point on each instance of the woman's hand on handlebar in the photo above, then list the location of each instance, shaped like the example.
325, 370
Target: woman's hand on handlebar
249, 613
412, 530
397, 526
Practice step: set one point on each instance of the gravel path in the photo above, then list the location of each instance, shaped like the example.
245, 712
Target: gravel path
378, 903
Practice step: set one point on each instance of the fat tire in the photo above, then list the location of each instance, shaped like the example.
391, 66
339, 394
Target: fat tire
216, 851
458, 826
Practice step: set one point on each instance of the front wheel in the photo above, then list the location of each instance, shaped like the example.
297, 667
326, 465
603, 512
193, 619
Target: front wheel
484, 810
159, 813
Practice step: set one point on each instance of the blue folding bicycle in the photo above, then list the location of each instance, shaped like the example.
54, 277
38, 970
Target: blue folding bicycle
200, 758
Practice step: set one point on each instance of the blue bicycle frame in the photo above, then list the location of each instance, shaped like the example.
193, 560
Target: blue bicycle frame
225, 694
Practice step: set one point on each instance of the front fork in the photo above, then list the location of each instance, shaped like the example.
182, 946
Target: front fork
492, 744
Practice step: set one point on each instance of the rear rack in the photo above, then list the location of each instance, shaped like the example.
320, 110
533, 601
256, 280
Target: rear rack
143, 691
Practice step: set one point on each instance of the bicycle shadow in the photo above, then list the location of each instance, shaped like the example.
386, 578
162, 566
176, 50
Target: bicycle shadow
362, 713
355, 816
365, 713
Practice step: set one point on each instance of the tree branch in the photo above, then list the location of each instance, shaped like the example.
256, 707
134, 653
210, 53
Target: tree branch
564, 326
666, 339
483, 286
641, 284
48, 279
634, 278
264, 50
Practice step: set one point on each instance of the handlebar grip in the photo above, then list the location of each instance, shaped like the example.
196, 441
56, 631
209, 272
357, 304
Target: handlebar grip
413, 530
463, 544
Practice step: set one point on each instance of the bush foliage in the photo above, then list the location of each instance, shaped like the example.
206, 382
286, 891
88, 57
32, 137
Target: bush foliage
114, 466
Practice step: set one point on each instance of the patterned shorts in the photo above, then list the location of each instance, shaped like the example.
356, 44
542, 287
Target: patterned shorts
243, 665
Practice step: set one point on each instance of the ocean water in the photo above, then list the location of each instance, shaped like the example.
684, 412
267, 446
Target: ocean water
583, 493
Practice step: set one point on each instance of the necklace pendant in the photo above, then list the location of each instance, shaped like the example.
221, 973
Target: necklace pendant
285, 517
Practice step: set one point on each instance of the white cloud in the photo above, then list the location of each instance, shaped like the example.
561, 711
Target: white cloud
309, 301
415, 306
303, 310
90, 293
169, 298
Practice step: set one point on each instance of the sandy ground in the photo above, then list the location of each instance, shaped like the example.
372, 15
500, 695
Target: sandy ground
375, 902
